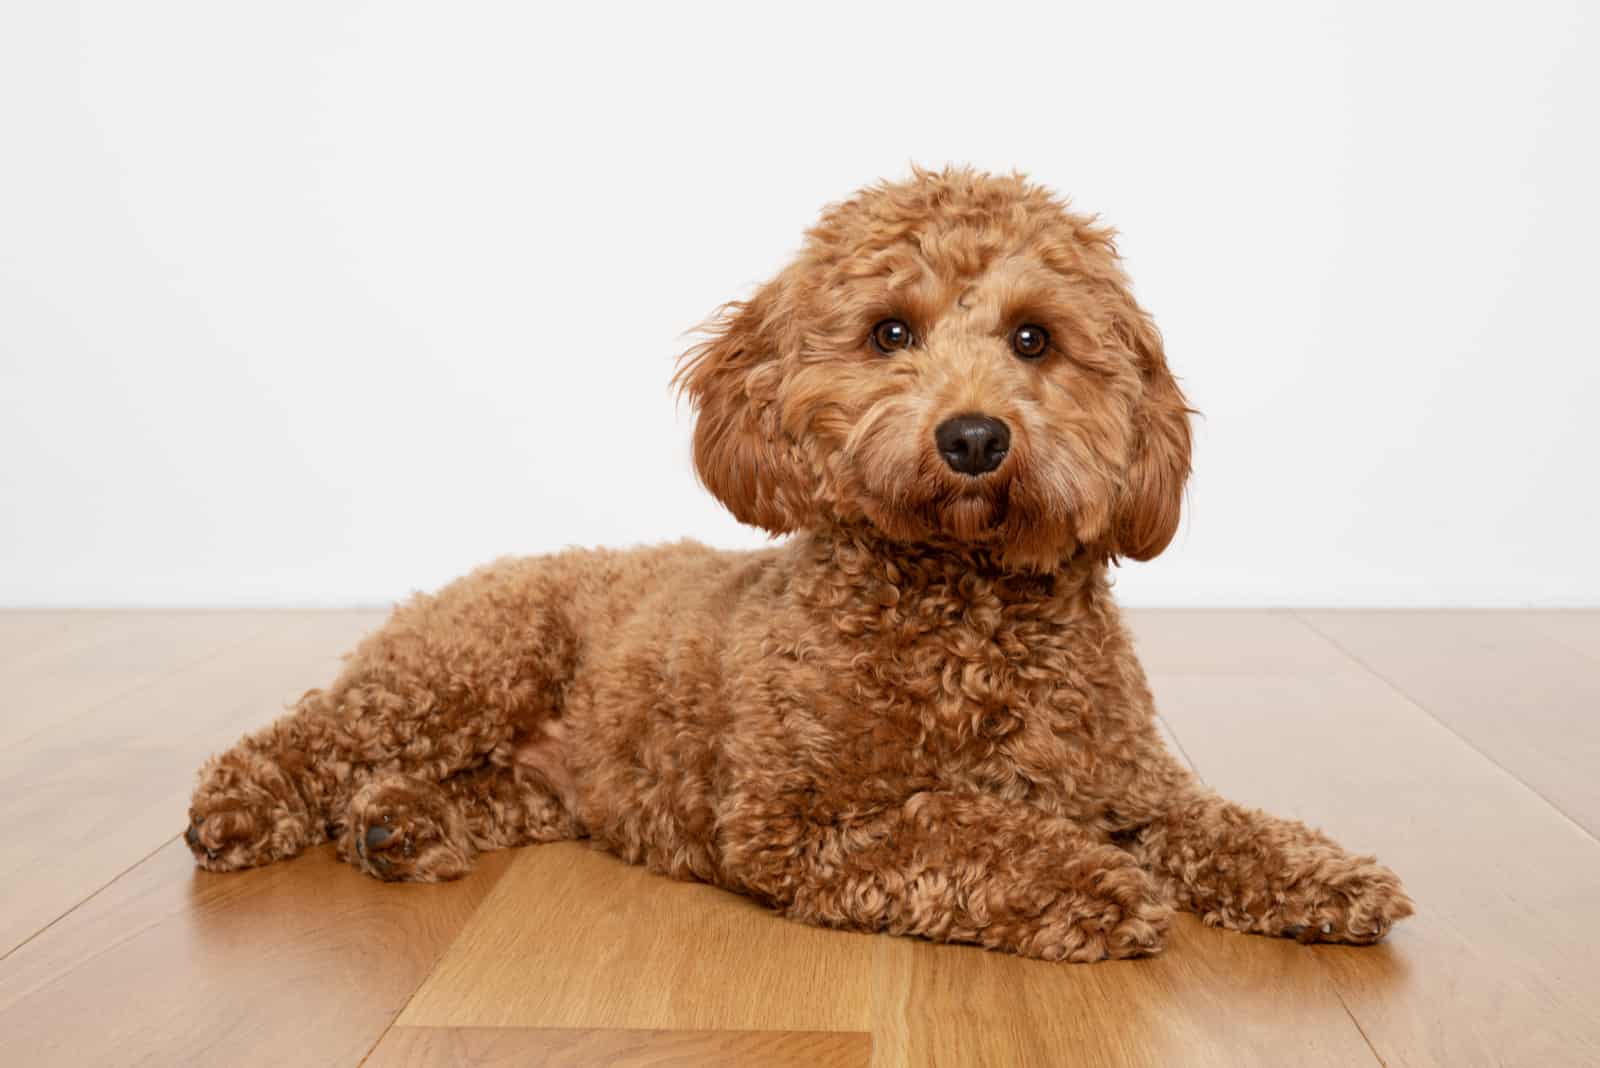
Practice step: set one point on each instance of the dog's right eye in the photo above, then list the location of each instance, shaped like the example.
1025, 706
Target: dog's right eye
891, 335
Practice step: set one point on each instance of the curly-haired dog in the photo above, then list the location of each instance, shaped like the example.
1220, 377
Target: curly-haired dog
920, 714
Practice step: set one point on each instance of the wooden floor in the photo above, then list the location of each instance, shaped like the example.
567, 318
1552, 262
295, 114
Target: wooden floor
1463, 748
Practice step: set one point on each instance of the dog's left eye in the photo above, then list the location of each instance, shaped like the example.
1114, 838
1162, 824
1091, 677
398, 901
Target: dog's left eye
891, 335
1029, 341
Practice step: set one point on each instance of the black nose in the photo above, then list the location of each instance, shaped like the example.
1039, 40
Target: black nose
973, 444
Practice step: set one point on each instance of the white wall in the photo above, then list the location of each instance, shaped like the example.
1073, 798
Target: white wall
317, 302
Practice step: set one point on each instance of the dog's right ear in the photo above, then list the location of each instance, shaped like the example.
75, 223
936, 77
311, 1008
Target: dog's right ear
732, 379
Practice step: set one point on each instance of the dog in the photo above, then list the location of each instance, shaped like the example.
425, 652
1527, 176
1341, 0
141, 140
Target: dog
919, 714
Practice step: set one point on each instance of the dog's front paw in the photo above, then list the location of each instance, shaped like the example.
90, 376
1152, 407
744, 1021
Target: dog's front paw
1114, 913
1356, 900
403, 830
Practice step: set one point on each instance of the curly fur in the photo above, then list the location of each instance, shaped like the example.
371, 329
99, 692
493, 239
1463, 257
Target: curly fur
921, 714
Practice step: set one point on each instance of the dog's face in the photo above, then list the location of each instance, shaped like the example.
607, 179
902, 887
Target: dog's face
955, 358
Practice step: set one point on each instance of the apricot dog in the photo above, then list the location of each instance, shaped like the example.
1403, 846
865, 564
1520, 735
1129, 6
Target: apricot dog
921, 713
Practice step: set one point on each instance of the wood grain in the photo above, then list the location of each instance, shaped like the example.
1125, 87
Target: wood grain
107, 655
1577, 630
561, 955
1495, 967
93, 793
1522, 698
1187, 641
306, 962
573, 938
1213, 998
26, 635
484, 1047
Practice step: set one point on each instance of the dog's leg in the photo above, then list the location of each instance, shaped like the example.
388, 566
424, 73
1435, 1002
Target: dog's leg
1248, 871
445, 683
953, 868
400, 828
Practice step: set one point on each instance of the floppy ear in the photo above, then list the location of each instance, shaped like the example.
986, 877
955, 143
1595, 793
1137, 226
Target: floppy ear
732, 379
1152, 488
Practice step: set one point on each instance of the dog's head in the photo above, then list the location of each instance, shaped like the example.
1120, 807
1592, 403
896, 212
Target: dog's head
954, 358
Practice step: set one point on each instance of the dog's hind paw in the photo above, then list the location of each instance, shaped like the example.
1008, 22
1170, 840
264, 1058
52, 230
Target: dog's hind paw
238, 821
401, 829
1115, 915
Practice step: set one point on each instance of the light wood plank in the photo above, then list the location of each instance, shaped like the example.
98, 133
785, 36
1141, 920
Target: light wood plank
88, 796
1212, 999
484, 1047
28, 634
1496, 966
1186, 640
306, 962
111, 654
1525, 700
1578, 630
573, 938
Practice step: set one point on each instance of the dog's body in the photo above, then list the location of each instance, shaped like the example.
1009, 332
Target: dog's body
921, 714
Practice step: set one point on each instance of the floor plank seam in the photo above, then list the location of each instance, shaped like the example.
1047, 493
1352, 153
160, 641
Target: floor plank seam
152, 963
1322, 966
1563, 640
1183, 752
1426, 711
432, 967
1361, 1030
87, 898
165, 676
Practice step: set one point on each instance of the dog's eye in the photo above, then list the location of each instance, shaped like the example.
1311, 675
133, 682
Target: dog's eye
1029, 341
891, 335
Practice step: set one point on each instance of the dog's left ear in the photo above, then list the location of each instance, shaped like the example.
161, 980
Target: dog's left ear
732, 379
1152, 490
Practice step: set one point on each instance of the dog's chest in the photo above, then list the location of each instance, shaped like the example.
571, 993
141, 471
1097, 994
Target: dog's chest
971, 689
